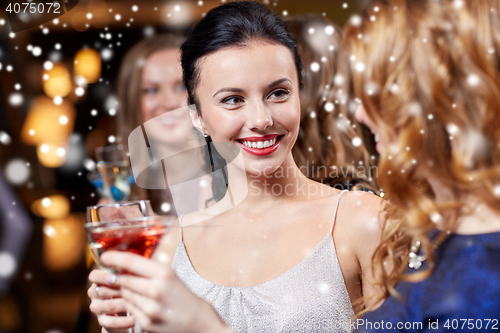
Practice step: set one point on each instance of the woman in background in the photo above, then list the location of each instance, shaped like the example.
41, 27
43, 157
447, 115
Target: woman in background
329, 148
149, 85
428, 76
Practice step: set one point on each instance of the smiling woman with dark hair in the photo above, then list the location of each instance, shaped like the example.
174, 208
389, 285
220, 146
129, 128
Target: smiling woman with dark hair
291, 254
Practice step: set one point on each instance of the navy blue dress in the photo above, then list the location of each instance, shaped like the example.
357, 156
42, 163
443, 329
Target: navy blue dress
462, 294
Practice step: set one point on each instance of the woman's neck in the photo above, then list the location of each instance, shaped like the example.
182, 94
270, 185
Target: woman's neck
480, 218
255, 189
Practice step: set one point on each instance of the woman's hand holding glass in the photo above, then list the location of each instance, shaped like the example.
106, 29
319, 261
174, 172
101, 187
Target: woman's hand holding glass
152, 294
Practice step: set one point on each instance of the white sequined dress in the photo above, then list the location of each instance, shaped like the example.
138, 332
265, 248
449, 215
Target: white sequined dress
310, 297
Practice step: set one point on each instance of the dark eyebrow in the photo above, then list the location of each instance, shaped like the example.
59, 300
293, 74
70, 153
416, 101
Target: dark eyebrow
275, 83
238, 90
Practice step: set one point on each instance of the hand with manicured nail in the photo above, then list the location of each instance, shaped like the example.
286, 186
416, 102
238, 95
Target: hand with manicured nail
156, 298
107, 303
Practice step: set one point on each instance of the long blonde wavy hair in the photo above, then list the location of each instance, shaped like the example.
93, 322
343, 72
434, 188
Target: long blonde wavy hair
428, 74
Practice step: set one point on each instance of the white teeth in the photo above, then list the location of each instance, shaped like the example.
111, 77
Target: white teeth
377, 138
260, 144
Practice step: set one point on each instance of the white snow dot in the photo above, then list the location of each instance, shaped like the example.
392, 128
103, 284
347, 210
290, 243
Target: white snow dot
16, 171
135, 8
80, 91
118, 17
89, 164
177, 8
356, 142
311, 31
315, 67
2, 21
376, 8
5, 138
37, 51
491, 50
49, 231
312, 114
7, 264
436, 217
57, 46
285, 13
93, 112
12, 35
111, 139
58, 100
46, 202
394, 88
112, 112
360, 67
55, 21
106, 54
496, 190
329, 30
89, 16
60, 152
9, 68
165, 207
458, 4
452, 129
392, 59
473, 80
48, 65
430, 116
345, 5
329, 107
338, 79
323, 287
16, 99
355, 20
45, 31
63, 120
44, 148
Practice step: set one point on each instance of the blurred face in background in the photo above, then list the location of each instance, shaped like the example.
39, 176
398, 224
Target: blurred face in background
163, 91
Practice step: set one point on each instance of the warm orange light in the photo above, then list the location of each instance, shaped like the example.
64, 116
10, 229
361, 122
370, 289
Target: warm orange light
48, 123
51, 207
64, 241
87, 64
56, 81
51, 155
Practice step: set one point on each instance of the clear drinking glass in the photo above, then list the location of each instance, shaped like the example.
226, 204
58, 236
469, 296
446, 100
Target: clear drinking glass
126, 226
113, 166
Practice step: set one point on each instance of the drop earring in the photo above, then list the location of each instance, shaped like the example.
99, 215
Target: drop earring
208, 140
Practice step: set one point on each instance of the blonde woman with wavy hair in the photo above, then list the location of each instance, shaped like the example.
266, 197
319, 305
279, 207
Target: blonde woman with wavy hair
427, 74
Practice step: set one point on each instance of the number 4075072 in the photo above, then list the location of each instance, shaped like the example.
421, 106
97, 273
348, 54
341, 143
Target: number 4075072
29, 7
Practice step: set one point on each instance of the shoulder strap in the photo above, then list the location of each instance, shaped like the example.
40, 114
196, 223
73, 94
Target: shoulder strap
336, 209
180, 226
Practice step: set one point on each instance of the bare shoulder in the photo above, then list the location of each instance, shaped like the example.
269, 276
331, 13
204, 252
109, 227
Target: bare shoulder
364, 210
360, 220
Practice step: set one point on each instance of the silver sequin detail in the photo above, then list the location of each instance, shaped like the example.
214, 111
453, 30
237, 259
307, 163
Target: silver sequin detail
310, 297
